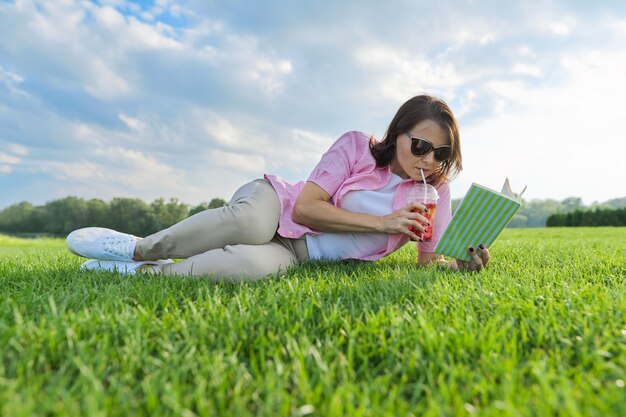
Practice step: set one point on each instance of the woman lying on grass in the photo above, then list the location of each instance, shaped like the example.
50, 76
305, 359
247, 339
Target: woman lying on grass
353, 206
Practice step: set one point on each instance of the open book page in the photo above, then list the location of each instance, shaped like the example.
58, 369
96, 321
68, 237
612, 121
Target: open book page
506, 190
481, 216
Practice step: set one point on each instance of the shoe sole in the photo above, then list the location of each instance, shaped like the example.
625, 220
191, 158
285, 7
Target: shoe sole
87, 264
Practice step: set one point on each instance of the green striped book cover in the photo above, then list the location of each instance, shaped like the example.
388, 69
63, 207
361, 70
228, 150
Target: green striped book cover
481, 216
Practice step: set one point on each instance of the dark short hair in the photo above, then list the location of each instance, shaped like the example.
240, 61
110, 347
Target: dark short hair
414, 111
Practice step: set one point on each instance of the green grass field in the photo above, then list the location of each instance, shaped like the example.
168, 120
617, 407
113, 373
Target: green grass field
541, 332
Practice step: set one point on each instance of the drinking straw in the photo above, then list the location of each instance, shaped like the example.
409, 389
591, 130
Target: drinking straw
424, 181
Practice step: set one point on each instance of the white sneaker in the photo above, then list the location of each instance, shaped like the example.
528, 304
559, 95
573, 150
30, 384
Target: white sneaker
101, 243
122, 267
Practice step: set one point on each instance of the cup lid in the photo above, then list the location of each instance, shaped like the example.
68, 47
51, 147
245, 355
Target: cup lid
417, 192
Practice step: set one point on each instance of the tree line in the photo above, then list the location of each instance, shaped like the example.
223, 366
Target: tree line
130, 215
597, 217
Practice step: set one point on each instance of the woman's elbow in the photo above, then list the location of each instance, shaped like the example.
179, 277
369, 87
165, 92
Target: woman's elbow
298, 214
303, 212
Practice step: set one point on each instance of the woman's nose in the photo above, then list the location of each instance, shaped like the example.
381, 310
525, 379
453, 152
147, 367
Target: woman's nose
429, 158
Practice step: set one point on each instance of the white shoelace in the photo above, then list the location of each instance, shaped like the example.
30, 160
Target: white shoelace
120, 246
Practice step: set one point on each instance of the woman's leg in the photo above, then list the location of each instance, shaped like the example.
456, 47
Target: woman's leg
251, 218
234, 263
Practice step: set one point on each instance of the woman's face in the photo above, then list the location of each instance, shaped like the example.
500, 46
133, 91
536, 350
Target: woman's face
408, 165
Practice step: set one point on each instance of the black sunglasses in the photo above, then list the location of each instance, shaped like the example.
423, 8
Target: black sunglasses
422, 147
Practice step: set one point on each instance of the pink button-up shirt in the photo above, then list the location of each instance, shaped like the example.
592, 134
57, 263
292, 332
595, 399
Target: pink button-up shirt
348, 166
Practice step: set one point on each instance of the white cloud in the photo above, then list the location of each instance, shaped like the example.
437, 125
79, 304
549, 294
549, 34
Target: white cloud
526, 50
109, 17
467, 103
17, 149
11, 81
114, 171
190, 99
90, 136
177, 11
253, 149
101, 48
121, 3
76, 171
527, 69
301, 150
249, 63
270, 74
472, 32
397, 73
223, 132
562, 27
238, 162
8, 161
105, 83
132, 122
562, 140
150, 36
9, 77
138, 169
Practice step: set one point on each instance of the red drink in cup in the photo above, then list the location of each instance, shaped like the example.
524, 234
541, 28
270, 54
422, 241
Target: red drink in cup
427, 196
430, 215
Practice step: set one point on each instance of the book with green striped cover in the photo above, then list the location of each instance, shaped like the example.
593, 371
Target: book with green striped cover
481, 216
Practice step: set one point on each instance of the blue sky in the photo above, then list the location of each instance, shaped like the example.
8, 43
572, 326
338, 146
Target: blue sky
191, 99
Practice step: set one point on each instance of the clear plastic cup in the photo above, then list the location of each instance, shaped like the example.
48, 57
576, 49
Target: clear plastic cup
429, 199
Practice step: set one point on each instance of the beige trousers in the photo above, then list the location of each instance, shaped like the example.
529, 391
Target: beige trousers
234, 243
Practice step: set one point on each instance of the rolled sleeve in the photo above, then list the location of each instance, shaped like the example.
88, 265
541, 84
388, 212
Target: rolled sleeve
336, 164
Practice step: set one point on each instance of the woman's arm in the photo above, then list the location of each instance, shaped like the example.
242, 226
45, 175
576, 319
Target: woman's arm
314, 210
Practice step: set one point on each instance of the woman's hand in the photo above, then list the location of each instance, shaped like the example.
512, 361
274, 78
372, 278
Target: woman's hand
480, 259
408, 221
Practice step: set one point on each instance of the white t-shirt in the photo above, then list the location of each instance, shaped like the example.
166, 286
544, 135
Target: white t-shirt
355, 245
